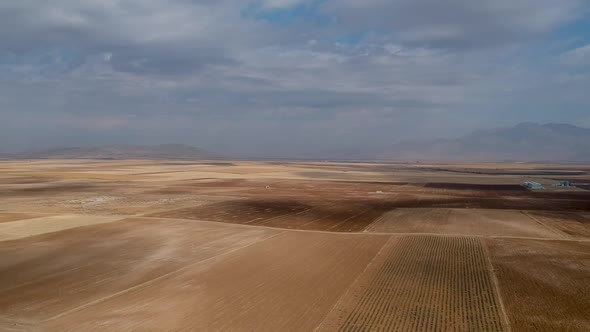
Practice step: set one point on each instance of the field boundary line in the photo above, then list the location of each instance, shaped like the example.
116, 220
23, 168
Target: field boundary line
147, 282
50, 275
366, 230
45, 214
63, 272
496, 284
266, 221
353, 283
363, 233
328, 206
7, 235
551, 229
347, 219
533, 238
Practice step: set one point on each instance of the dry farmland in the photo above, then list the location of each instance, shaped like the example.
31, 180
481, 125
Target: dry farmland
91, 245
423, 283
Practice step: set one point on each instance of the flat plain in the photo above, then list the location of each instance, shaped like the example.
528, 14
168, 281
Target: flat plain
95, 245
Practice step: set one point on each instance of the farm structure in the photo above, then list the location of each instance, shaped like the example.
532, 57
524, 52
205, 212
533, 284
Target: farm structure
533, 185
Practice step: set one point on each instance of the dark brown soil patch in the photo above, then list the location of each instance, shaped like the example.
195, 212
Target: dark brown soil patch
341, 216
238, 211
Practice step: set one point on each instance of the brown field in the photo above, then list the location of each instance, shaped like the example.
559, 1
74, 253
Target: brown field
6, 217
568, 224
289, 214
545, 284
481, 222
90, 245
30, 227
201, 272
423, 284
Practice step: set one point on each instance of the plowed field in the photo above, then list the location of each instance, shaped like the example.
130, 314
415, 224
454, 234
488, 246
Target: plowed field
482, 222
35, 226
545, 284
178, 274
423, 284
327, 216
51, 275
568, 225
7, 217
270, 246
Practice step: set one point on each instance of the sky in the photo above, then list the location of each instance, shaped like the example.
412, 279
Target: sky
286, 78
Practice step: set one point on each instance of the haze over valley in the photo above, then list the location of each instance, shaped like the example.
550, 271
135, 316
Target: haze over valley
524, 142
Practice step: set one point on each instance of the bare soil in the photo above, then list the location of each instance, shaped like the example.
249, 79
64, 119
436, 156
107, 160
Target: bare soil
481, 222
423, 284
182, 276
545, 284
474, 186
90, 245
570, 225
53, 275
324, 216
30, 227
14, 216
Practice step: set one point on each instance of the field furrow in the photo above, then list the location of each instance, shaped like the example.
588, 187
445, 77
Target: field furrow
288, 282
545, 284
423, 283
68, 269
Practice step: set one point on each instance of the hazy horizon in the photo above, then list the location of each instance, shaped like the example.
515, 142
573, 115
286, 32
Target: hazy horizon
313, 154
286, 77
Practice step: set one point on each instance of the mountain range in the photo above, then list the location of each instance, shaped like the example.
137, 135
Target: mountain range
524, 142
155, 152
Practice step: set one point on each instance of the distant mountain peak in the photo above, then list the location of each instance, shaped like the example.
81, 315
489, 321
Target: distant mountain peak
526, 141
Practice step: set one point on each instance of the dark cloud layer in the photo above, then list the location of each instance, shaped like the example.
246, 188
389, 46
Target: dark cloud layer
295, 77
458, 23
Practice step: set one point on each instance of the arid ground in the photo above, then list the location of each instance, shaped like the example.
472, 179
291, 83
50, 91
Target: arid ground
89, 245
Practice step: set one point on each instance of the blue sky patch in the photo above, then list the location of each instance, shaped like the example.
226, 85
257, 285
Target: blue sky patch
307, 12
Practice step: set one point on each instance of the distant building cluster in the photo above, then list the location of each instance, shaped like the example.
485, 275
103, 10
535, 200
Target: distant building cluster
564, 184
533, 185
561, 184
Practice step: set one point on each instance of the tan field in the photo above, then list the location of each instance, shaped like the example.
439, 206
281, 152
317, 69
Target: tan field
480, 222
545, 283
90, 245
423, 283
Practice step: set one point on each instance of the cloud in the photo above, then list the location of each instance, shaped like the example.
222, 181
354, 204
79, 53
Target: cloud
579, 56
338, 73
274, 4
457, 23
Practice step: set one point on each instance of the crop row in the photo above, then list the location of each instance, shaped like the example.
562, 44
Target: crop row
429, 284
